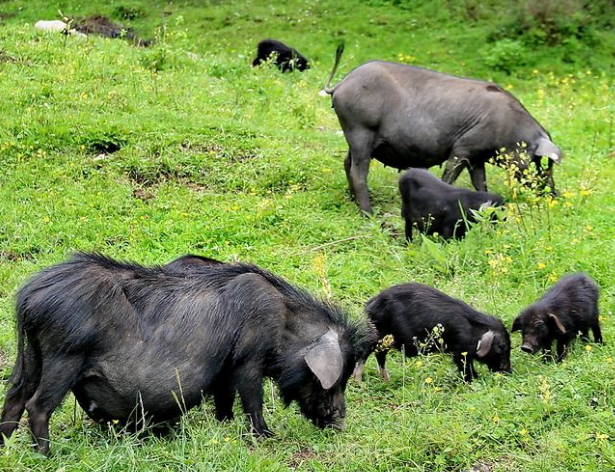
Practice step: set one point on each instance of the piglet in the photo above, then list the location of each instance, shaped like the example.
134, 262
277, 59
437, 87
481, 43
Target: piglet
418, 319
569, 307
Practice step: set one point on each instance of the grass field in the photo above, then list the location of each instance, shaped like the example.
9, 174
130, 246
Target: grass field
147, 154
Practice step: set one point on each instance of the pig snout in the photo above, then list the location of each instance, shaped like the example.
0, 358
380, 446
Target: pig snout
340, 424
336, 421
527, 348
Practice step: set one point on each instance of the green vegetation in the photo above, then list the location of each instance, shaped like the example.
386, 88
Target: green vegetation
147, 154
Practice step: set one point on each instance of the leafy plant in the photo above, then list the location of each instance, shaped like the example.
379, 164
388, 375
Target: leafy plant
505, 55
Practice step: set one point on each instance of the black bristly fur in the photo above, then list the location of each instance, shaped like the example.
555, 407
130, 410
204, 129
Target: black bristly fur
568, 308
190, 261
286, 59
135, 341
434, 206
410, 312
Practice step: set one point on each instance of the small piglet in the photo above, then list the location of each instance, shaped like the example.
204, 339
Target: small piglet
434, 206
417, 319
569, 307
286, 59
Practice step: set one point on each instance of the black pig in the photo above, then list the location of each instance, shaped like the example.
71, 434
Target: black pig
286, 59
437, 207
568, 308
421, 319
406, 116
136, 344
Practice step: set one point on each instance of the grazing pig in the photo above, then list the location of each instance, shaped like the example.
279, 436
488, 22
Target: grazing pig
421, 319
139, 344
568, 308
190, 261
287, 59
434, 206
407, 116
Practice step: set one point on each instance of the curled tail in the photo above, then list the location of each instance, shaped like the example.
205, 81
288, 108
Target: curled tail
338, 56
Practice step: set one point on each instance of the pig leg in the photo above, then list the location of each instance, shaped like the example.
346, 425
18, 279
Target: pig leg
250, 389
447, 232
597, 333
58, 377
545, 176
453, 167
477, 175
224, 398
21, 391
360, 152
347, 167
360, 365
381, 358
408, 230
405, 214
561, 350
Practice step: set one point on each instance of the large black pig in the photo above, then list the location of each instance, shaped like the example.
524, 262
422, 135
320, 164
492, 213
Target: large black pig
568, 308
406, 116
421, 319
138, 344
434, 206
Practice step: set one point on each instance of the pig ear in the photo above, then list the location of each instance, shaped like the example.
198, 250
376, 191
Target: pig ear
484, 344
325, 359
548, 149
516, 324
558, 323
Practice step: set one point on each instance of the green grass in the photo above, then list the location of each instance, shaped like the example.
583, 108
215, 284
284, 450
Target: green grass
237, 163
